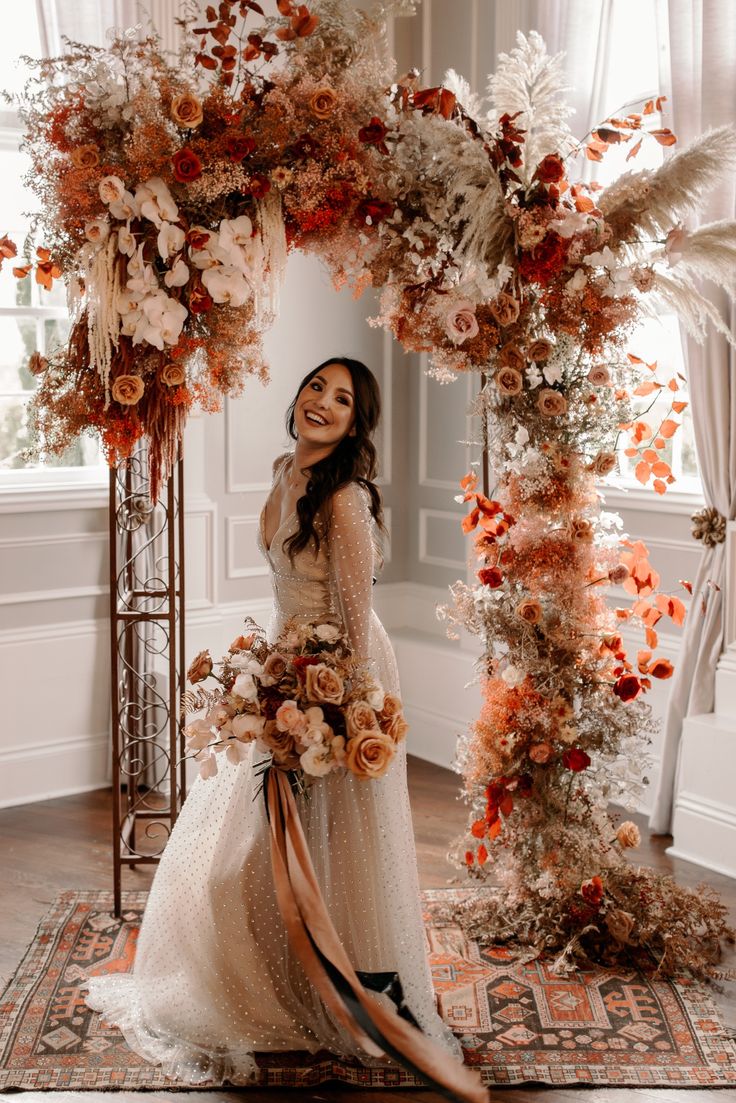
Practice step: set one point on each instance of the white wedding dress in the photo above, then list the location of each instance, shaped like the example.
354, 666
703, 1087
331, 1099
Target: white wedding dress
214, 980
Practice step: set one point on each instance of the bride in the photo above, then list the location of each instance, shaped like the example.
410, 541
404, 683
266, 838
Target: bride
214, 980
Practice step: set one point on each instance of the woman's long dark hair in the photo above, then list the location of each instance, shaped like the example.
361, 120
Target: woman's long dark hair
352, 460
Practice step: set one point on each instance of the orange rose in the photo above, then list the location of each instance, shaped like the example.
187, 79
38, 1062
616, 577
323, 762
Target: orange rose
391, 707
628, 835
186, 111
282, 745
128, 389
86, 157
322, 103
200, 667
509, 381
324, 684
242, 643
396, 728
369, 755
360, 717
551, 403
529, 611
603, 464
539, 350
511, 356
172, 375
540, 753
505, 309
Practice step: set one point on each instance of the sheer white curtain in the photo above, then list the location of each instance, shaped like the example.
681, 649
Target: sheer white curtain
83, 20
701, 43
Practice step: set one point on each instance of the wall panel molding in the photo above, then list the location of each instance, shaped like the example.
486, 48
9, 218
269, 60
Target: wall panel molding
232, 523
425, 556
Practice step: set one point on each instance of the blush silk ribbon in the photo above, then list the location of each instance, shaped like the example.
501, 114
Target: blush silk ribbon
380, 1031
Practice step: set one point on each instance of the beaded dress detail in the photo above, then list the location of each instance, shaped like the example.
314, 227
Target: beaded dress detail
214, 980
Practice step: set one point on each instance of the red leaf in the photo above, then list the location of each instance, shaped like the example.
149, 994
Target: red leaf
205, 61
665, 137
482, 855
648, 108
634, 150
593, 153
687, 585
609, 137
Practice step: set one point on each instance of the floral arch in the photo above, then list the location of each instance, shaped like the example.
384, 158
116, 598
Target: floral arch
172, 193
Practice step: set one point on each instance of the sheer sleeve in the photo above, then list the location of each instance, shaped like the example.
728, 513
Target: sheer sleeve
351, 551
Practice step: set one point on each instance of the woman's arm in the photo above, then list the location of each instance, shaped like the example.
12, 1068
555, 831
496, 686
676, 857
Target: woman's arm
350, 544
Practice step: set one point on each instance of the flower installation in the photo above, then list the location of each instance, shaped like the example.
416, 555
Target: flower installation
304, 700
171, 194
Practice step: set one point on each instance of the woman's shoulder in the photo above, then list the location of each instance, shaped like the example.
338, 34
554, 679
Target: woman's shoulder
279, 461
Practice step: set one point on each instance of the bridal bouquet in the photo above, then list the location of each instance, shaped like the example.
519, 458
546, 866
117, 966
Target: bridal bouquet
303, 700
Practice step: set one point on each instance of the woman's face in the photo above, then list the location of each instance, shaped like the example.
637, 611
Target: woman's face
325, 407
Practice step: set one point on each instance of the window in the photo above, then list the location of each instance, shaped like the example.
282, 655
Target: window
31, 319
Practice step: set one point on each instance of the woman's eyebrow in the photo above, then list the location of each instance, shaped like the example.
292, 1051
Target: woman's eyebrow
323, 380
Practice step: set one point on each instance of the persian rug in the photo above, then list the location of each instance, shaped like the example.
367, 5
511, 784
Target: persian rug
517, 1022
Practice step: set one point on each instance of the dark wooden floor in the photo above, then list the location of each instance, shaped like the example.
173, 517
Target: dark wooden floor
65, 843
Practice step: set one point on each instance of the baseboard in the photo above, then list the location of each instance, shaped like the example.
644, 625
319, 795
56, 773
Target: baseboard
54, 769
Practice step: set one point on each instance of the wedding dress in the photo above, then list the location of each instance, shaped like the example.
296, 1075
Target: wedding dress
214, 980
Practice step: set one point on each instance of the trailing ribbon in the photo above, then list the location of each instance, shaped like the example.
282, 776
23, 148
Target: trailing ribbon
378, 1030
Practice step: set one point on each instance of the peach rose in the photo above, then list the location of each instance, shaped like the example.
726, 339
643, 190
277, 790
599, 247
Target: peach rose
242, 643
396, 728
599, 375
290, 718
509, 381
540, 753
172, 375
111, 189
186, 111
128, 389
200, 667
360, 717
628, 835
274, 669
324, 684
461, 323
529, 611
322, 103
505, 309
369, 754
511, 356
551, 403
620, 925
618, 574
539, 350
86, 157
603, 464
391, 708
282, 745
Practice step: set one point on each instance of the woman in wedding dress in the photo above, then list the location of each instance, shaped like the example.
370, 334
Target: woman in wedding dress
214, 979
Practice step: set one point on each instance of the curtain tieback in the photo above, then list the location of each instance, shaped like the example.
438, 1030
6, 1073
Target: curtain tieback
709, 526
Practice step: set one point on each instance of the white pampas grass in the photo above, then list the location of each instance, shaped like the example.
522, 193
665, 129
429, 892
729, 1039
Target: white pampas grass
652, 202
472, 104
531, 82
677, 293
709, 252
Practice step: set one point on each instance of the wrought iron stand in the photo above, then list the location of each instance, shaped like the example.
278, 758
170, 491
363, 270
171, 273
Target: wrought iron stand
147, 662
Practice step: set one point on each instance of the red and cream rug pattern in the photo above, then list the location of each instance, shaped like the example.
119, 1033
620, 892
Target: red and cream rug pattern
517, 1022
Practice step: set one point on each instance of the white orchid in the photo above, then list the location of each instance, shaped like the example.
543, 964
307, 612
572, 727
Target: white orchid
235, 231
126, 241
552, 372
208, 764
198, 735
126, 207
226, 285
161, 320
170, 240
97, 230
247, 726
246, 663
128, 301
130, 321
604, 258
236, 752
577, 281
156, 201
178, 275
144, 283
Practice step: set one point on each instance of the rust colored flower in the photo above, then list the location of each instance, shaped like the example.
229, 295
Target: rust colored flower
592, 891
539, 350
529, 611
576, 759
540, 753
661, 668
128, 389
509, 381
85, 157
490, 576
369, 754
186, 111
37, 364
628, 687
200, 667
374, 134
628, 835
620, 925
372, 211
322, 103
199, 300
172, 375
551, 403
238, 146
258, 185
505, 309
511, 356
550, 169
187, 165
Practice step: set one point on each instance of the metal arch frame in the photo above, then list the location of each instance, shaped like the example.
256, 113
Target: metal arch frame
146, 615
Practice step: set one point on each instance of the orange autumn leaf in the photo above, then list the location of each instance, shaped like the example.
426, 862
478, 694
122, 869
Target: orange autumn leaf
642, 471
651, 637
507, 805
661, 469
686, 585
495, 829
673, 385
21, 272
668, 428
634, 359
664, 136
647, 388
631, 452
648, 108
661, 668
482, 855
641, 431
634, 150
470, 520
659, 486
478, 829
678, 407
469, 481
659, 101
642, 661
594, 151
469, 856
584, 203
623, 614
650, 456
659, 442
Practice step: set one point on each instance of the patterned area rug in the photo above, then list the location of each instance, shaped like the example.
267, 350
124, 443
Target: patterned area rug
517, 1022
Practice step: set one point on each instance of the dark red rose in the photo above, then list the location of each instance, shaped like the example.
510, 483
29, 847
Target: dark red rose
490, 576
373, 134
259, 185
301, 662
550, 169
197, 239
576, 759
187, 165
239, 146
627, 687
374, 209
592, 891
199, 300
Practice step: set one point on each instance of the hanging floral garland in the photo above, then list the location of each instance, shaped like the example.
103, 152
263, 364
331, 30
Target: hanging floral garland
171, 194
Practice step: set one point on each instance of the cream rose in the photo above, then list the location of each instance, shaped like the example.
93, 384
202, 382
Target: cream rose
172, 375
274, 669
290, 718
186, 111
86, 157
111, 189
245, 686
322, 103
360, 717
551, 403
628, 835
324, 684
128, 389
529, 611
461, 323
509, 381
599, 375
200, 667
369, 754
328, 633
505, 309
